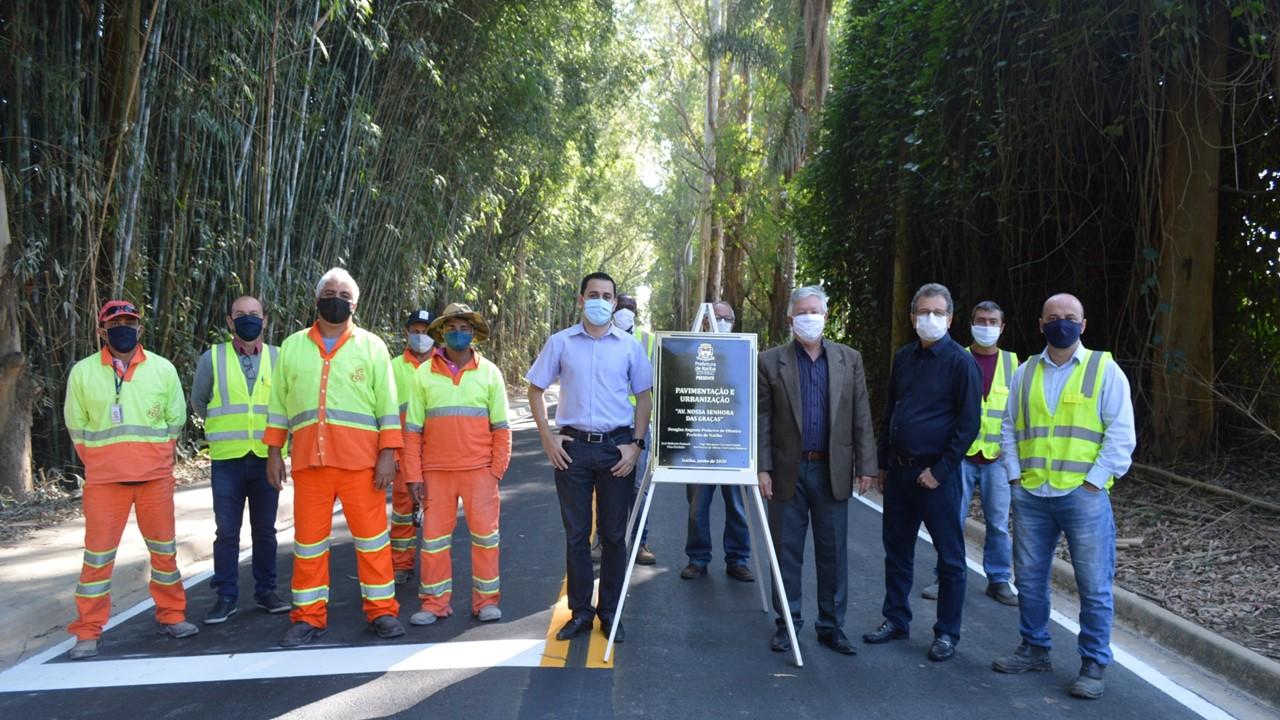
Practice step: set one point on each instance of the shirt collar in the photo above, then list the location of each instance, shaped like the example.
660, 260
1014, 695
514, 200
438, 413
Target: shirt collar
412, 359
614, 330
1077, 356
934, 348
318, 339
800, 351
246, 348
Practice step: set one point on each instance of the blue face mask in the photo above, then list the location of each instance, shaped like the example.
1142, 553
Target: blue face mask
248, 327
1063, 333
598, 312
122, 338
458, 340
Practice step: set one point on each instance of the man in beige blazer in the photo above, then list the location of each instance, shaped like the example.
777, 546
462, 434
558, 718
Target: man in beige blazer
814, 437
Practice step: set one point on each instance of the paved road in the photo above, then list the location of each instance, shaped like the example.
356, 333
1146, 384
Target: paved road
694, 648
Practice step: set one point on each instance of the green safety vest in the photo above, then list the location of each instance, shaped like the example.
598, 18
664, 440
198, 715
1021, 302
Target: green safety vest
1060, 448
403, 369
988, 440
236, 418
648, 341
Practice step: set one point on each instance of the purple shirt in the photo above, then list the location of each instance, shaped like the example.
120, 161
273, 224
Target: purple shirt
597, 377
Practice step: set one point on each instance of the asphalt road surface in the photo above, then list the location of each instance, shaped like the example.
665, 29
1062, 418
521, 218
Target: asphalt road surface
695, 649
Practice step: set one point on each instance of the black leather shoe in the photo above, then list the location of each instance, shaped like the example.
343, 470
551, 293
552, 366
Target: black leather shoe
886, 632
781, 641
272, 603
387, 627
1002, 593
740, 573
837, 641
300, 633
692, 571
1089, 685
606, 624
943, 648
575, 626
221, 611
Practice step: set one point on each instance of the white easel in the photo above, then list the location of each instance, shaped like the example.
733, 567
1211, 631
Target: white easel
746, 480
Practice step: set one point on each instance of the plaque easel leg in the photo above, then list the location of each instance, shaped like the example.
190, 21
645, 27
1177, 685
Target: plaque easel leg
755, 530
646, 484
631, 566
777, 576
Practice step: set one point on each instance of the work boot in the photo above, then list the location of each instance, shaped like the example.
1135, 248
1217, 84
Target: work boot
1027, 658
645, 556
488, 613
84, 649
422, 617
300, 633
1002, 593
180, 630
221, 611
693, 570
930, 592
387, 627
403, 576
740, 573
1089, 683
272, 603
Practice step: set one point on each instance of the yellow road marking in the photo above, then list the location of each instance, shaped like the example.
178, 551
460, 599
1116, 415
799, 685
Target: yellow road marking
556, 652
595, 653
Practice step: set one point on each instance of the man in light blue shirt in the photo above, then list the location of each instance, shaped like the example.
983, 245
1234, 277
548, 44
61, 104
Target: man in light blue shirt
1062, 495
600, 437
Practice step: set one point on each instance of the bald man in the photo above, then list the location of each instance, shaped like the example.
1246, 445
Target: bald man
1067, 434
230, 391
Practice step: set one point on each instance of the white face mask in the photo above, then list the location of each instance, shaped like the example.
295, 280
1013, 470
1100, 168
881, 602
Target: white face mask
985, 335
808, 327
624, 319
420, 343
930, 327
724, 326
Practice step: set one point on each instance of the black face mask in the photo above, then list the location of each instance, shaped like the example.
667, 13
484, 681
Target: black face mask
122, 338
334, 309
248, 327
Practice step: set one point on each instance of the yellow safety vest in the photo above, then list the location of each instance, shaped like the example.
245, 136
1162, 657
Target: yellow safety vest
236, 418
648, 341
404, 370
988, 440
1060, 448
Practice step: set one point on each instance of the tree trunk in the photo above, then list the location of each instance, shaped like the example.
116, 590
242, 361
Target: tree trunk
1182, 402
15, 395
707, 224
903, 250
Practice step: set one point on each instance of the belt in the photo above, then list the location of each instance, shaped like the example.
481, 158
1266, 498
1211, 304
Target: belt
914, 460
813, 456
597, 437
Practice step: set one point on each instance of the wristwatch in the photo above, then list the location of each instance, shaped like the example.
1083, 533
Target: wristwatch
638, 442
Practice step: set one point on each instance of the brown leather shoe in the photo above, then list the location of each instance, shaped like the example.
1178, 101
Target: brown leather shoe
740, 573
645, 556
692, 571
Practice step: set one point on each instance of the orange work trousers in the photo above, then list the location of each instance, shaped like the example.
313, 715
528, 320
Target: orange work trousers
365, 508
403, 533
106, 512
478, 490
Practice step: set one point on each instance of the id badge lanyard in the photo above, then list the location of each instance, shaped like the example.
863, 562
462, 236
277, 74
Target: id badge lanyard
117, 411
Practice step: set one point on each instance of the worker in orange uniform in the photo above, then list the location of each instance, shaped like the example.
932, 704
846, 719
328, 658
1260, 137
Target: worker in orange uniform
417, 348
334, 392
457, 409
124, 410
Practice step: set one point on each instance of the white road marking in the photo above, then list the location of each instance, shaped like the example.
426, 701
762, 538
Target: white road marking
1187, 698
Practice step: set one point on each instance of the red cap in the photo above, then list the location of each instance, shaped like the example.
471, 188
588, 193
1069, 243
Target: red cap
117, 308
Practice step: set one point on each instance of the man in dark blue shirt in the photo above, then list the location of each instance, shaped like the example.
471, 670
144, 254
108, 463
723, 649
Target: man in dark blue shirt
931, 418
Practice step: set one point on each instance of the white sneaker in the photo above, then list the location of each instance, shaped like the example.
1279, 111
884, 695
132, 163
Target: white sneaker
181, 630
489, 613
84, 649
422, 617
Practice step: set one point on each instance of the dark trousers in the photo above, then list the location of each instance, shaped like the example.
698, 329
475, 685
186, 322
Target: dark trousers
737, 535
906, 505
589, 472
788, 525
235, 482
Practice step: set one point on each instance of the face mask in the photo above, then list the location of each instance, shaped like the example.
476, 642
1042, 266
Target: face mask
248, 327
1062, 334
420, 343
334, 309
598, 311
724, 326
624, 319
122, 338
458, 340
931, 328
985, 335
808, 327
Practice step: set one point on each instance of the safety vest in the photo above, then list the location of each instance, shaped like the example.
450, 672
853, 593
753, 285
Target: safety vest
403, 366
236, 418
648, 341
134, 443
1060, 448
988, 440
458, 415
340, 406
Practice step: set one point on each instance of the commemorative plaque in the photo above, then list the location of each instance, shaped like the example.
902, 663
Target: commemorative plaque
705, 394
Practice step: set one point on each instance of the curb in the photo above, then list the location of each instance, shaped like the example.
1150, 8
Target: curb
1246, 669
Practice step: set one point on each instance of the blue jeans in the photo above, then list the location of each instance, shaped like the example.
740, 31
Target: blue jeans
234, 482
737, 536
997, 551
1085, 518
788, 525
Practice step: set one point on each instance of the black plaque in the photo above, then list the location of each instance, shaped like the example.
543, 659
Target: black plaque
704, 402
